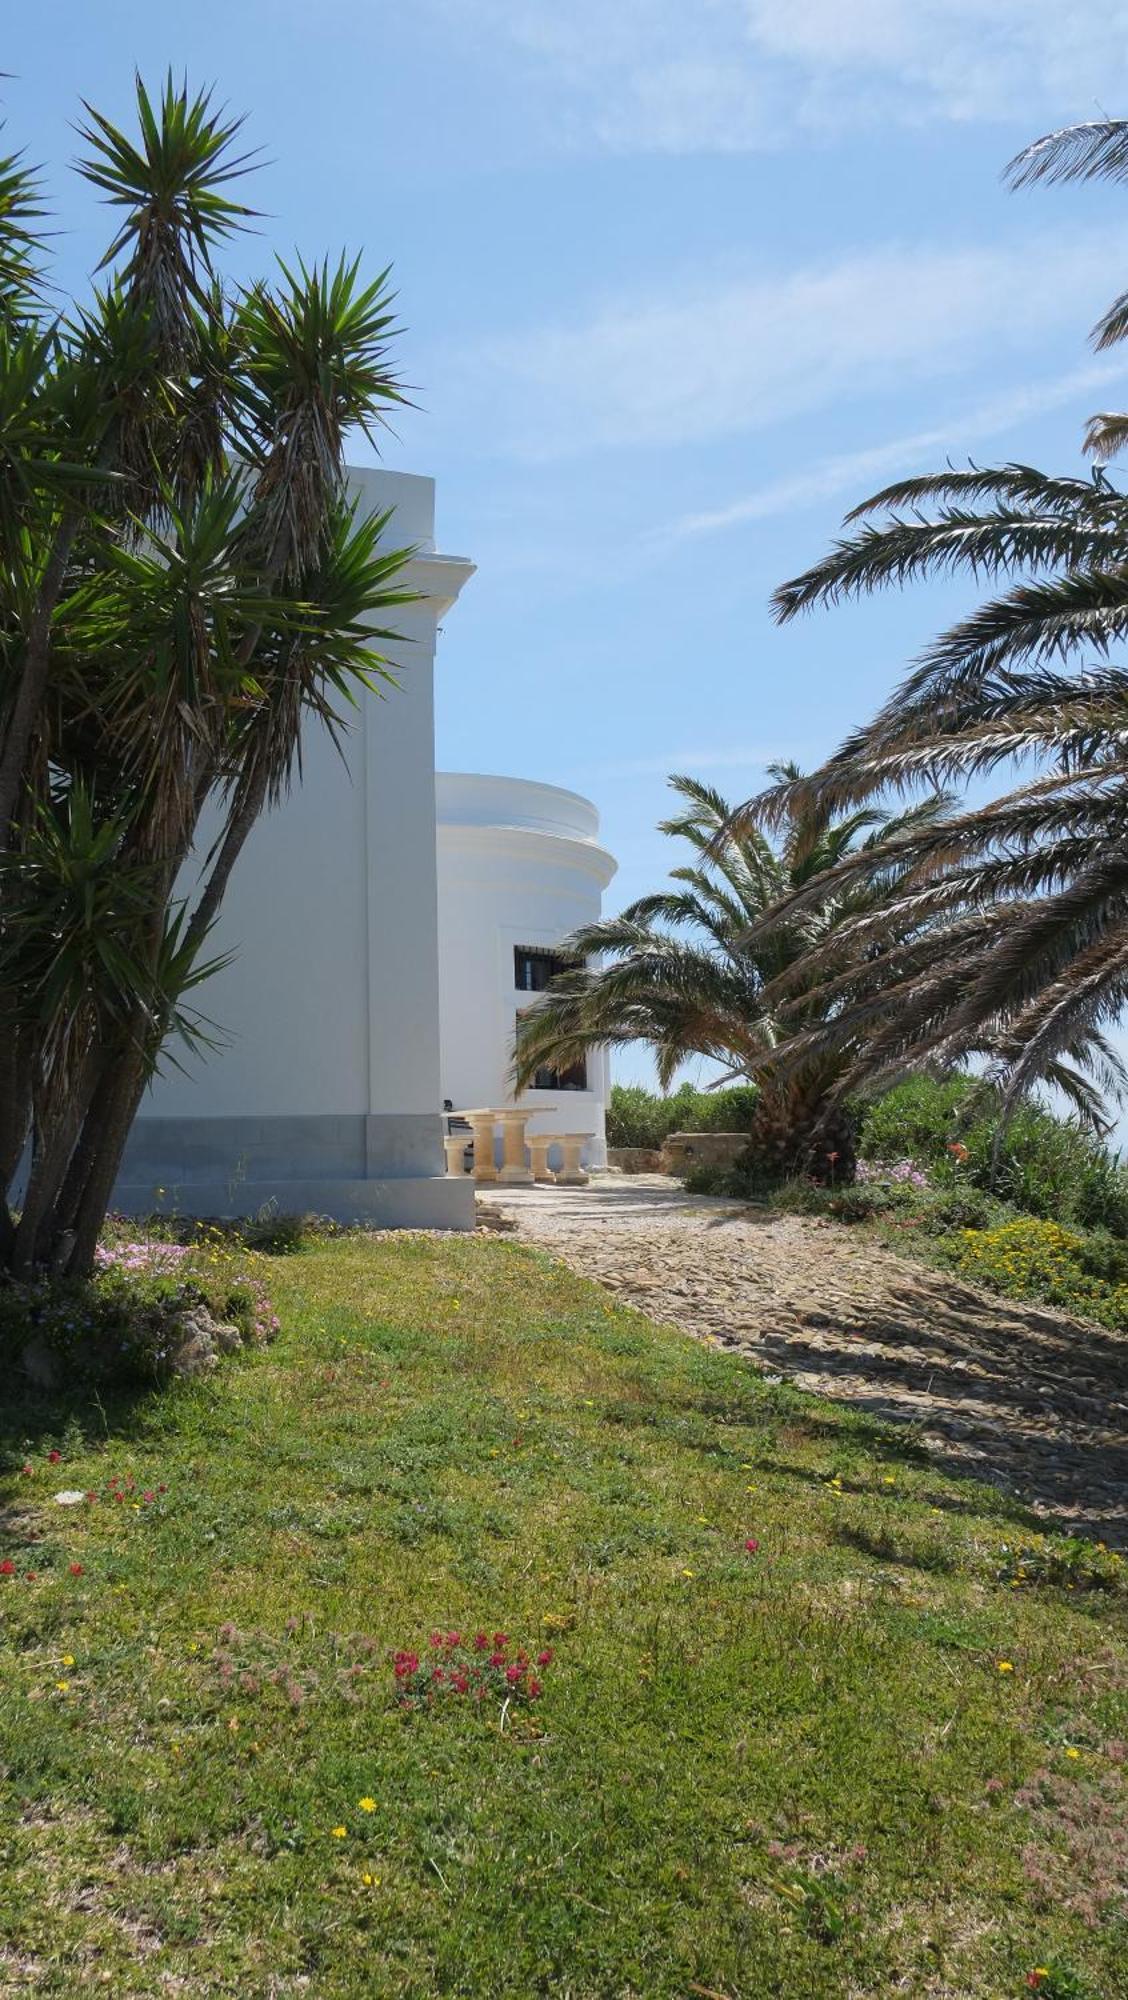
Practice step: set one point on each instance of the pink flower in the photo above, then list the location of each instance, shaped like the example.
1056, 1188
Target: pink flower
497, 1659
53, 1457
501, 1638
513, 1675
752, 1545
481, 1641
436, 1638
545, 1659
454, 1638
26, 1470
148, 1496
534, 1688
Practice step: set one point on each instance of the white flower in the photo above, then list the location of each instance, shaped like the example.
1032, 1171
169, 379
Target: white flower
69, 1499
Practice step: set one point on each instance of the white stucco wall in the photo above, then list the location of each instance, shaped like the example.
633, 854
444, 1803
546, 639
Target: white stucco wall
519, 863
327, 1079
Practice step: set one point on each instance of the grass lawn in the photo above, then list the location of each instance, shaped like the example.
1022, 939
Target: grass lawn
867, 1757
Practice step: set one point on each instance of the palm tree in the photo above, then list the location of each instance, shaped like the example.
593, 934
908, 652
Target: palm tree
678, 973
182, 586
1025, 898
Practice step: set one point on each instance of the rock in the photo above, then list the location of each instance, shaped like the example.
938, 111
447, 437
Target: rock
41, 1364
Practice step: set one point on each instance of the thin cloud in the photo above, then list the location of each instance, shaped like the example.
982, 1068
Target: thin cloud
710, 356
730, 76
848, 472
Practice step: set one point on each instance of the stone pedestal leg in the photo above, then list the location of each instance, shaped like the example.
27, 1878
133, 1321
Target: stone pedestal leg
571, 1173
454, 1146
482, 1126
514, 1172
539, 1144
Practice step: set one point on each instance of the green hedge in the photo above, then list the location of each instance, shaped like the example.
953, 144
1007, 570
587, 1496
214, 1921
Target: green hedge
638, 1117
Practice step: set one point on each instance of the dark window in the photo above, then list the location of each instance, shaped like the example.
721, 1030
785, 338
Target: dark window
573, 1078
534, 966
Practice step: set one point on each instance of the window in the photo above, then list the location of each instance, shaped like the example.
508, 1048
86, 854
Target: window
535, 965
573, 1078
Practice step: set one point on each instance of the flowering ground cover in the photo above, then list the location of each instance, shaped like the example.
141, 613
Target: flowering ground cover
480, 1637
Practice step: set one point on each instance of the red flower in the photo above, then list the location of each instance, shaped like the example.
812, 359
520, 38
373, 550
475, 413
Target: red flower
26, 1470
162, 1489
148, 1496
76, 1569
497, 1659
436, 1638
454, 1638
545, 1659
7, 1567
53, 1457
92, 1496
480, 1642
30, 1575
513, 1675
460, 1683
437, 1674
752, 1545
501, 1638
534, 1688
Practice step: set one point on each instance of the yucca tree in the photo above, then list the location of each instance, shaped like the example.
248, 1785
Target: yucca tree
182, 588
1025, 898
677, 971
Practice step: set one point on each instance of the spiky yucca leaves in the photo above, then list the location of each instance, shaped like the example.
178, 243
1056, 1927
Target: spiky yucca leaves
182, 590
688, 971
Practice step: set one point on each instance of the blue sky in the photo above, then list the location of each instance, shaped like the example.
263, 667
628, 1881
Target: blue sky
681, 281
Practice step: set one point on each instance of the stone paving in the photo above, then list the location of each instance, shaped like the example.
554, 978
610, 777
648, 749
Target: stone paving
1022, 1396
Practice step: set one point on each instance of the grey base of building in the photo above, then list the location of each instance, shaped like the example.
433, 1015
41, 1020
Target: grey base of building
387, 1170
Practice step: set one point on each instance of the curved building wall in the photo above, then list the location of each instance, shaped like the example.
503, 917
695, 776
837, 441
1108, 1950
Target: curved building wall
519, 867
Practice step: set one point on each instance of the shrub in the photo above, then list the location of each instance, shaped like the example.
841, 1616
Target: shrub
1030, 1258
1043, 1165
125, 1325
638, 1117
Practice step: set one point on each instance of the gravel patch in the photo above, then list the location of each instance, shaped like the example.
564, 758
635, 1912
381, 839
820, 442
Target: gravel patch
1025, 1397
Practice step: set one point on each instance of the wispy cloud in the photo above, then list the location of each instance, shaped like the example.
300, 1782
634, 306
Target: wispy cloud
737, 75
710, 357
965, 432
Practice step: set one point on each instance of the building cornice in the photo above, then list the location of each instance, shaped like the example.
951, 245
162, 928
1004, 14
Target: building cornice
554, 849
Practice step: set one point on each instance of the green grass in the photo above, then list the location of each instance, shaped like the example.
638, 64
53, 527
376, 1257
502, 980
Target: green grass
790, 1773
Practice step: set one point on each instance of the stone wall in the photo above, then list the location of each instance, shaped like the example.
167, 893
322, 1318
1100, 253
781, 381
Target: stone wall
684, 1150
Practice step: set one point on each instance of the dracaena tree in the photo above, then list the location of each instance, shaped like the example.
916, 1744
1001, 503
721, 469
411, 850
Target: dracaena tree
1024, 897
182, 589
689, 971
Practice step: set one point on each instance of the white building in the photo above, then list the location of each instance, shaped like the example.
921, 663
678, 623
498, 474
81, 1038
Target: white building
520, 866
325, 1091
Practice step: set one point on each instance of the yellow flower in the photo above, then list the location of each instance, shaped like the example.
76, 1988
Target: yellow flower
68, 1659
1005, 1666
369, 1880
338, 1832
367, 1805
1073, 1753
687, 1572
63, 1686
889, 1480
